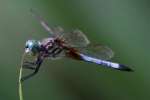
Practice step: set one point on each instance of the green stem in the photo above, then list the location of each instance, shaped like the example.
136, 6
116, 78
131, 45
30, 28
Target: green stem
20, 83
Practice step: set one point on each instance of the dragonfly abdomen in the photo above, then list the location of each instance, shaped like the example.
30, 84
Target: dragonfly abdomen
105, 63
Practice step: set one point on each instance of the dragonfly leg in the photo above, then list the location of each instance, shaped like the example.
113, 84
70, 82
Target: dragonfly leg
29, 65
30, 75
28, 62
38, 64
56, 52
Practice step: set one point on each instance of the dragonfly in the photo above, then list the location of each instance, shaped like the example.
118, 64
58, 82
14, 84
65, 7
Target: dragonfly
62, 44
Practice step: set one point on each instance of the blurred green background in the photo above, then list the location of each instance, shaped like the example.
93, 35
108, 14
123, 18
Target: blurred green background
123, 25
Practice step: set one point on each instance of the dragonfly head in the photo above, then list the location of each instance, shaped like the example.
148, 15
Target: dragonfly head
32, 47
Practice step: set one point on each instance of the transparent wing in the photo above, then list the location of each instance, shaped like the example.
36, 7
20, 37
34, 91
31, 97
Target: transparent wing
76, 38
58, 31
53, 31
98, 51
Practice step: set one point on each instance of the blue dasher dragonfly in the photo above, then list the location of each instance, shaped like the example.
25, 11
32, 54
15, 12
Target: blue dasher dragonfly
61, 44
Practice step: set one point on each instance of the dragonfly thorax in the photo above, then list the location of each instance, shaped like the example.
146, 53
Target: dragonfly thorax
52, 48
48, 42
32, 47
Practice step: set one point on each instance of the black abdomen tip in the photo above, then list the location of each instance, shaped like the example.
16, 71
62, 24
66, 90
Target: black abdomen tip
125, 68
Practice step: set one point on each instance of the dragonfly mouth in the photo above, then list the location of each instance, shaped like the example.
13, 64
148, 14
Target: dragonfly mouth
27, 50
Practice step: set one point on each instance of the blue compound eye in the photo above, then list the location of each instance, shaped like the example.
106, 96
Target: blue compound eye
26, 46
29, 44
32, 46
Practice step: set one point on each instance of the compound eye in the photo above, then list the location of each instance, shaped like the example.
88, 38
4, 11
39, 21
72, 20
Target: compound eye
26, 46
